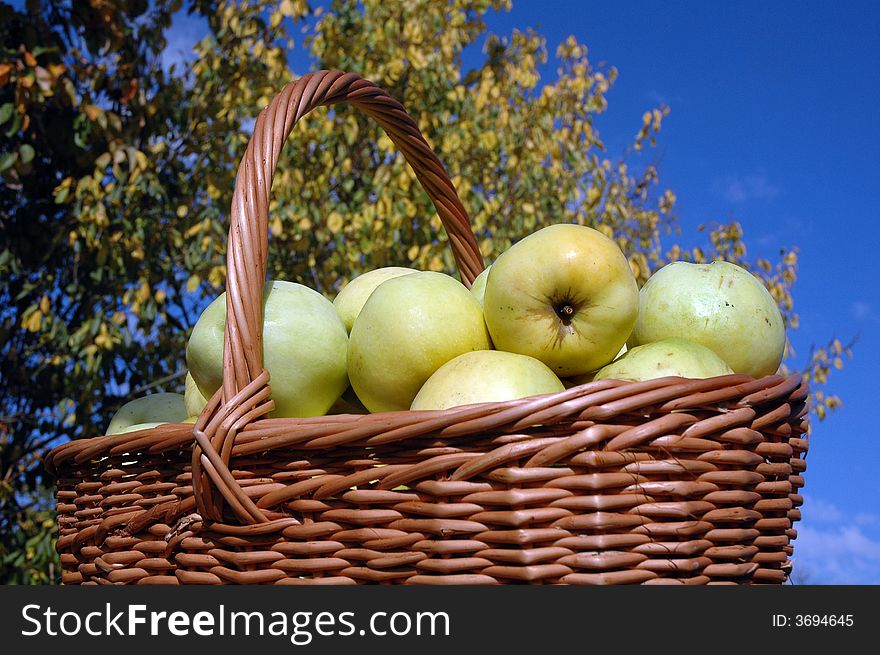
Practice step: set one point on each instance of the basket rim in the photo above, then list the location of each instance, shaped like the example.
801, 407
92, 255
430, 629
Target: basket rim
604, 399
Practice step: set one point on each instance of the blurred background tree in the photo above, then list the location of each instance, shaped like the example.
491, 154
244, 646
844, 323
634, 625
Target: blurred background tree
117, 173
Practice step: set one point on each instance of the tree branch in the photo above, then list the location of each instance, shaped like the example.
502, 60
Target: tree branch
159, 382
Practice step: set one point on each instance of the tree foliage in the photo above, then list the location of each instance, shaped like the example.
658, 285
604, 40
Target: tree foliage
117, 173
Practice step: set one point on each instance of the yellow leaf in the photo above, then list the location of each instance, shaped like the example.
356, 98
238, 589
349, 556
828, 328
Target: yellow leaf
5, 70
334, 222
275, 227
193, 283
195, 229
159, 296
287, 8
528, 208
215, 277
33, 322
182, 211
634, 267
44, 304
93, 111
143, 293
412, 253
103, 339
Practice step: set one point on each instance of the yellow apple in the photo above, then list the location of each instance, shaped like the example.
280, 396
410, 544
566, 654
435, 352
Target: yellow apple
304, 349
719, 305
409, 327
141, 426
478, 288
353, 295
679, 357
155, 408
193, 399
589, 377
564, 295
486, 376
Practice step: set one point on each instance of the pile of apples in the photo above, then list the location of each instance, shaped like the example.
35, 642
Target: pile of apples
560, 307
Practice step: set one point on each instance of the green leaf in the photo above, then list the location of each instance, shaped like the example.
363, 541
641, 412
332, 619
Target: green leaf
14, 125
61, 195
7, 159
26, 152
5, 112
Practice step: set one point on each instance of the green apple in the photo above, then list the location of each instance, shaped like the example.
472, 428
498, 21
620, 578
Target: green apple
193, 399
157, 407
486, 376
679, 357
565, 295
304, 349
478, 288
589, 377
719, 305
353, 295
142, 426
409, 327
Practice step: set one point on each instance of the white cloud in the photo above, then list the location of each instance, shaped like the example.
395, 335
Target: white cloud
742, 188
863, 518
841, 555
821, 511
834, 548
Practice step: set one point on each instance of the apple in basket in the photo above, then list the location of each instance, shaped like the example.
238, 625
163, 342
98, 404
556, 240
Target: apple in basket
304, 349
350, 300
193, 399
478, 288
148, 412
409, 327
565, 295
484, 376
679, 357
719, 305
589, 377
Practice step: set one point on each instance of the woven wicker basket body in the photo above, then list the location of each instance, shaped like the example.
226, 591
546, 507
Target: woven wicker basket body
664, 481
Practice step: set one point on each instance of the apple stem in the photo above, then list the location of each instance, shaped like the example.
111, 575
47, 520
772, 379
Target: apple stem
565, 312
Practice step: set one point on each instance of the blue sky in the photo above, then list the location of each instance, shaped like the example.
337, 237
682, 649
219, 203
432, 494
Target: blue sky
773, 123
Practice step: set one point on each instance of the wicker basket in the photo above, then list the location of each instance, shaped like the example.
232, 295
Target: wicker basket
665, 481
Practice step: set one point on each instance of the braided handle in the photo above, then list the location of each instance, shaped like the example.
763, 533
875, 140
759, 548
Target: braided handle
244, 394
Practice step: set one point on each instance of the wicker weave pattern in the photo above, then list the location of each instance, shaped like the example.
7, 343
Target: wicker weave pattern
664, 481
608, 483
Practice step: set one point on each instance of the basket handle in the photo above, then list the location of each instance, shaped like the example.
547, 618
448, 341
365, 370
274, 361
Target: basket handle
243, 396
